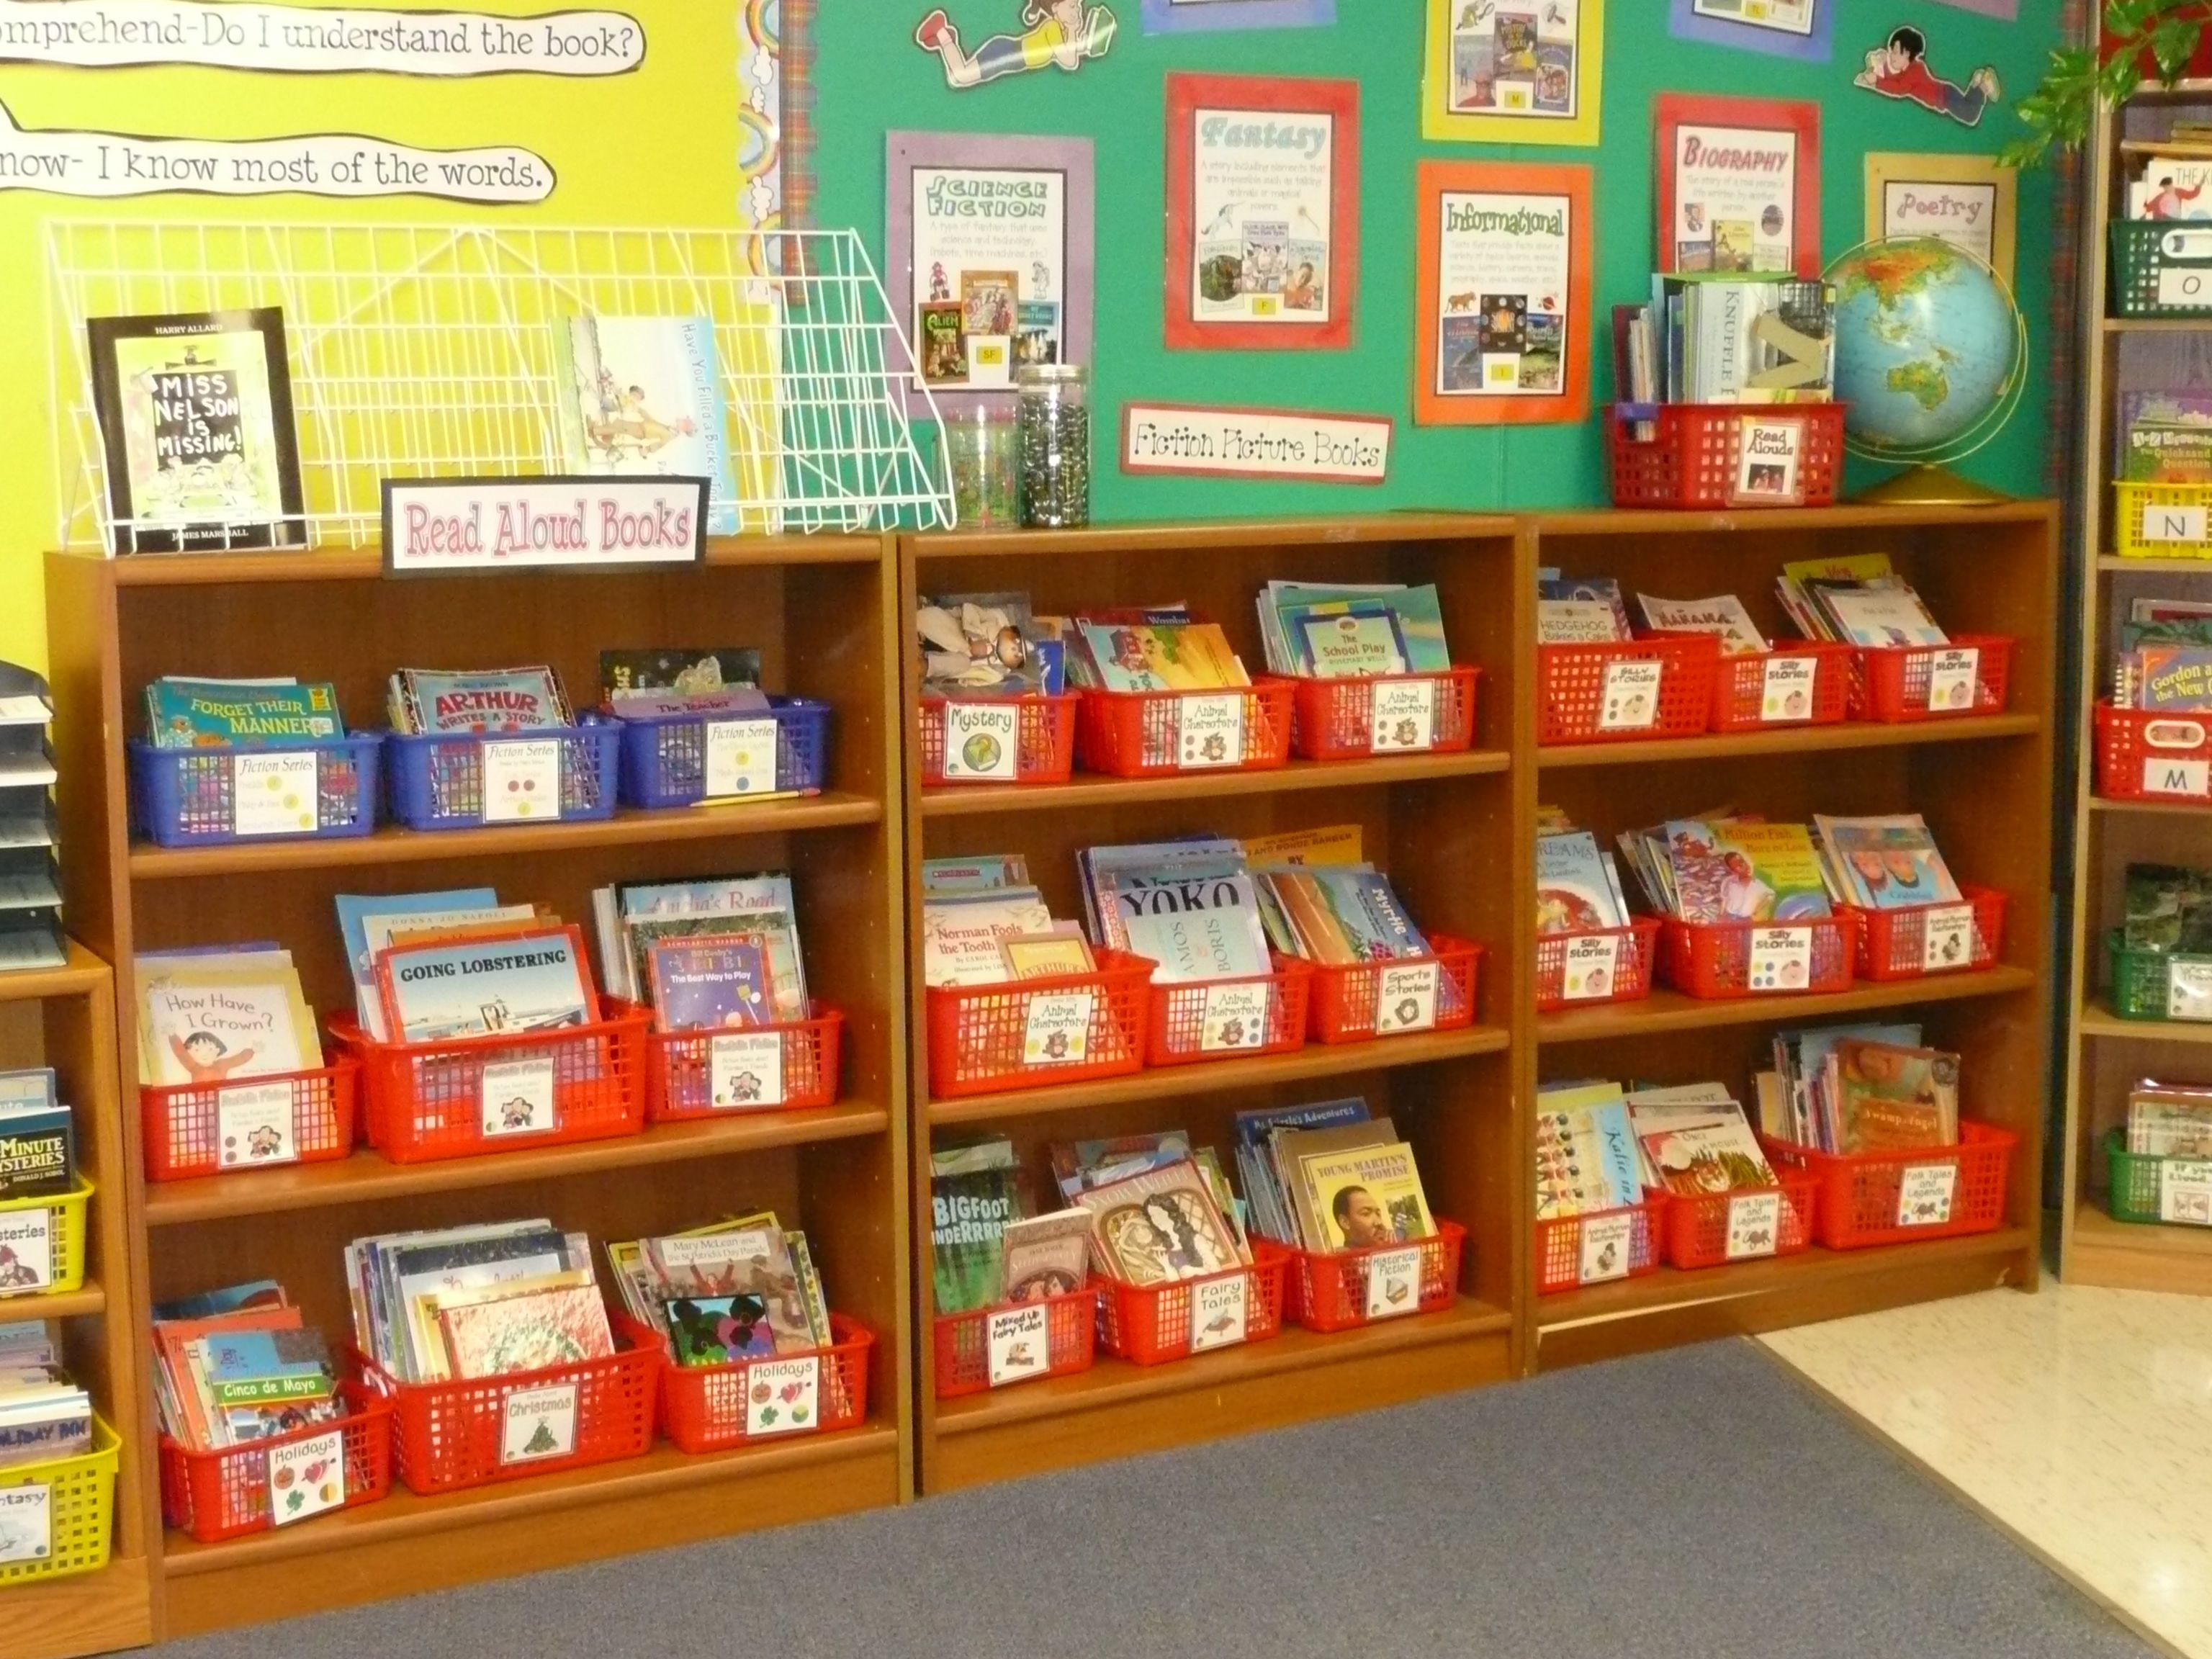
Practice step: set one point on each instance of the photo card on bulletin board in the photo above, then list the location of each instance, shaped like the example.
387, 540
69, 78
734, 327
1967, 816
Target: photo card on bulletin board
1527, 75
1739, 186
1199, 16
1502, 297
1782, 28
992, 256
1263, 213
1969, 201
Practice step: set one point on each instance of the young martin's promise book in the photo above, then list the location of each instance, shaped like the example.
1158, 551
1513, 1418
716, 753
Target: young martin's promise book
643, 397
536, 980
1366, 1197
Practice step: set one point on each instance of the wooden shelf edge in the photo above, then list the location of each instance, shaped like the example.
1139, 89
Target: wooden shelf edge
1670, 1011
1177, 536
83, 1613
337, 563
2115, 564
90, 1297
1803, 739
80, 974
1849, 515
2097, 1019
1094, 790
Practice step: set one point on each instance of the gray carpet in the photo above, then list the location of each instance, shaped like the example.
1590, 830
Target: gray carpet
1698, 1503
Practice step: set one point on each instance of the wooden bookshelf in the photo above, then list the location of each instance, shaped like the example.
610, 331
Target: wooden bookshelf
824, 612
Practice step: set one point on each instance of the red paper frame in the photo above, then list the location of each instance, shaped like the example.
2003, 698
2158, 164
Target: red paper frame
1675, 110
1339, 100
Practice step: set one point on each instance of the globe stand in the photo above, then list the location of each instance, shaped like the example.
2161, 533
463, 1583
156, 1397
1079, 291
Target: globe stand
1930, 486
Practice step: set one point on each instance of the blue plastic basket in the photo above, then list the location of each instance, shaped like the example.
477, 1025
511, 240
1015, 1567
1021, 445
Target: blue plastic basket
437, 782
663, 757
184, 797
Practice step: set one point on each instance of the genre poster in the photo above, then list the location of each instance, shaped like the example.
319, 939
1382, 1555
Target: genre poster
1513, 71
1503, 307
1196, 16
1263, 235
1781, 28
1969, 201
1739, 185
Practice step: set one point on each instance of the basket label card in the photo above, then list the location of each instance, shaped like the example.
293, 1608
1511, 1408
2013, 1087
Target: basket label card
1606, 1244
1952, 674
253, 1125
1947, 937
1210, 730
1218, 1311
537, 1423
1403, 716
744, 1069
27, 1250
1057, 1029
516, 1097
1781, 959
1591, 968
1787, 692
1924, 1192
1406, 997
1770, 453
1754, 1224
274, 795
783, 1396
521, 781
306, 1477
1394, 1283
2188, 288
2189, 988
2163, 522
1018, 1345
982, 740
2178, 777
2185, 1191
1629, 700
26, 1523
740, 758
1234, 1017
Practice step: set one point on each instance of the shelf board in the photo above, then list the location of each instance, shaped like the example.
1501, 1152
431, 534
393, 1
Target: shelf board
2157, 325
2098, 1020
81, 973
1091, 789
2113, 563
1670, 1011
1175, 539
1801, 739
395, 845
366, 563
1316, 1059
2136, 1255
366, 1178
2105, 804
1849, 515
91, 1297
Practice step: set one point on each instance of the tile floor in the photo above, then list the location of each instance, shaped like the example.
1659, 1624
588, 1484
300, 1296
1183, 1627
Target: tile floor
2078, 1419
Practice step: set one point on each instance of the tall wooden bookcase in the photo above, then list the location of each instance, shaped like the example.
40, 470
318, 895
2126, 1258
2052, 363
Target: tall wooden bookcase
823, 611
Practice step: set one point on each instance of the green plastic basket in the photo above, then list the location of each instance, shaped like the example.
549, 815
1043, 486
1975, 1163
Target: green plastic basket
2146, 251
2138, 1179
2140, 978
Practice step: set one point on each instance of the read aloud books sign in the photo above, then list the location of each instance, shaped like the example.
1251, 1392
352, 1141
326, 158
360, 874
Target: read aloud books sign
491, 524
1199, 440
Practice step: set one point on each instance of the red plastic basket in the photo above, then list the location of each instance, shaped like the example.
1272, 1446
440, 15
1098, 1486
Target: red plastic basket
2143, 755
1609, 964
1602, 692
1800, 683
433, 1100
1434, 993
1143, 734
228, 1492
1230, 1018
1690, 461
1335, 1291
1930, 939
985, 1038
1600, 1246
792, 1065
1384, 714
1152, 1324
447, 1436
1042, 728
1016, 1342
705, 1408
1972, 675
1721, 959
196, 1129
1718, 1228
1896, 1198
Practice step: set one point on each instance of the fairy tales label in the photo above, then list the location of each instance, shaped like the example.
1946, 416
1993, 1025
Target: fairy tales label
1781, 959
740, 758
1591, 968
537, 1423
1394, 1283
521, 781
1218, 1311
27, 1250
1056, 1028
2185, 1191
26, 1523
1210, 730
274, 794
1018, 1345
306, 1477
1947, 937
1605, 1248
1924, 1192
516, 1097
783, 1396
1628, 701
1786, 693
982, 740
1405, 998
1403, 716
1953, 676
744, 1069
1754, 1224
254, 1126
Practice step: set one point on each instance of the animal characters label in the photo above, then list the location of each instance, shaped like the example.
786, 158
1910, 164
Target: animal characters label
306, 1477
26, 1523
740, 758
2185, 1191
537, 1423
2189, 988
27, 1250
1628, 699
1786, 694
516, 1097
1233, 1016
982, 741
1403, 716
1953, 677
1210, 730
1394, 1283
744, 1069
1591, 969
521, 781
1754, 1224
1606, 1244
1924, 1192
1219, 1312
274, 794
1781, 959
783, 1396
1406, 997
1056, 1028
254, 1126
1019, 1344
1947, 937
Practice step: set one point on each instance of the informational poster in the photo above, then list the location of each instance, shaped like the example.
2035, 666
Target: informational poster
1193, 16
1968, 201
1504, 300
1739, 185
1781, 28
1263, 235
1784, 17
1513, 71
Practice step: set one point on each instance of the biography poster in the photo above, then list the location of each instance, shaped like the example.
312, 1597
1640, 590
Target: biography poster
1738, 186
1513, 71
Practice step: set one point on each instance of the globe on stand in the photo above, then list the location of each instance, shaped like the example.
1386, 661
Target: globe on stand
1931, 359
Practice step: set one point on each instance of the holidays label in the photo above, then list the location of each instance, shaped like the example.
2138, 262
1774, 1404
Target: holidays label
516, 1097
1056, 1030
27, 1250
537, 1423
522, 782
1629, 700
1953, 674
1406, 997
253, 1125
1605, 1245
26, 1523
2177, 777
1218, 1312
1787, 692
2185, 1191
1234, 1017
1947, 937
1210, 730
1781, 959
1403, 716
1019, 1344
274, 795
306, 1477
1924, 1192
1754, 1224
1394, 1282
783, 1395
1592, 967
2189, 988
744, 1069
982, 740
740, 758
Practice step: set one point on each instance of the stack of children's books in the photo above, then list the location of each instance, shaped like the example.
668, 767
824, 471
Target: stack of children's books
2169, 183
1330, 1176
989, 645
1859, 1089
1856, 599
1156, 648
239, 1364
986, 1248
1601, 1146
43, 1414
1577, 882
745, 1288
1729, 337
1580, 610
466, 1302
984, 922
431, 966
705, 950
720, 679
1725, 866
1345, 631
439, 702
218, 1016
30, 889
186, 712
2165, 926
2164, 660
2169, 1120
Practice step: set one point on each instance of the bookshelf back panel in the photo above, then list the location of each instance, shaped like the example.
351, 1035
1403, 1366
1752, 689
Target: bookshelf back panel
2118, 840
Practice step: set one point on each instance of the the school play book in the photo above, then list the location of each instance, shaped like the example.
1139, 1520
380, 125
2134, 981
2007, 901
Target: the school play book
1366, 1197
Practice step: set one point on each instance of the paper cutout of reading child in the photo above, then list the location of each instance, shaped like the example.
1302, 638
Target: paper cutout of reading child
2171, 199
1060, 33
205, 1058
1898, 68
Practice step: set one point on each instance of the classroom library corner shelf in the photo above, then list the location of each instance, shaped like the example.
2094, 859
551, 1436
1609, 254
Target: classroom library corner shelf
1795, 740
81, 973
367, 1177
1670, 1011
1228, 535
1316, 1059
2097, 1019
1090, 789
366, 563
89, 1297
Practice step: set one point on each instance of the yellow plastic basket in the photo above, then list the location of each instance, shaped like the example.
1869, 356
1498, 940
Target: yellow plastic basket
64, 1241
2162, 521
71, 1529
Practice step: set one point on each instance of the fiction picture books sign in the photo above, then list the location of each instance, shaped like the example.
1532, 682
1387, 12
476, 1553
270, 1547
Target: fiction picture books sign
1197, 440
436, 525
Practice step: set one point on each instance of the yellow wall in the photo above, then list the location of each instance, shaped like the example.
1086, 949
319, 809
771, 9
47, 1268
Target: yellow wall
656, 147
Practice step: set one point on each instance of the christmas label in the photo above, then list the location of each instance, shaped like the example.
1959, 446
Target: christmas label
1019, 1343
1406, 997
1606, 1243
1592, 969
2189, 988
27, 1250
740, 757
1630, 699
744, 1069
1234, 1017
516, 1097
26, 1523
1923, 1194
1781, 959
982, 740
306, 1477
274, 795
537, 1423
1787, 693
1953, 674
1403, 716
1210, 730
1057, 1029
1946, 937
1394, 1283
1754, 1224
1218, 1311
2178, 777
253, 1125
783, 1396
522, 782
2185, 1191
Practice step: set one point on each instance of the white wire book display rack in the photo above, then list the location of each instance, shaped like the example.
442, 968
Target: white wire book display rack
428, 351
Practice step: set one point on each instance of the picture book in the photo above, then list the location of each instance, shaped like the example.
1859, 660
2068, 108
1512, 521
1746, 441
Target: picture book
1341, 843
30, 1090
748, 1258
961, 935
1338, 914
1415, 613
1344, 640
1206, 927
1159, 1226
1576, 622
683, 671
1577, 890
1652, 1109
1366, 1197
1801, 1059
1103, 870
1161, 657
969, 1213
435, 701
976, 875
1052, 955
2167, 908
1878, 614
1045, 1255
210, 1020
712, 981
961, 1155
1586, 1154
1584, 591
397, 1273
1772, 872
712, 1330
2173, 679
1267, 1187
1724, 615
1887, 863
974, 643
186, 713
1718, 1155
2166, 1121
1289, 1147
524, 1327
633, 917
1892, 1098
536, 980
641, 396
1080, 1165
38, 1153
369, 923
